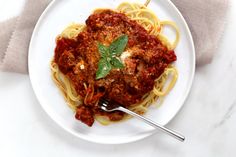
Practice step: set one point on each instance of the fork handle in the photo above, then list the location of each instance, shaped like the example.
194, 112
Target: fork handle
154, 124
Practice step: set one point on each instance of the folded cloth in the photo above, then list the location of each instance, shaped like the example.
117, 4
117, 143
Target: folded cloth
206, 19
15, 35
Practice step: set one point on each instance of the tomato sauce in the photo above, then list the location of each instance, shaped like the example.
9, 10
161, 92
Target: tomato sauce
78, 59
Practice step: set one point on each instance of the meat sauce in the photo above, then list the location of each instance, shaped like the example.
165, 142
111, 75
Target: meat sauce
78, 59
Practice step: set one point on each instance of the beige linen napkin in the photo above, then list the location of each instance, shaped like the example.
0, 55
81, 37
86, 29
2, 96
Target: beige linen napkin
206, 19
15, 35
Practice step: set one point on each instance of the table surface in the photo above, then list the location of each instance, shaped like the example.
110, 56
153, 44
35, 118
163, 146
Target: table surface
208, 118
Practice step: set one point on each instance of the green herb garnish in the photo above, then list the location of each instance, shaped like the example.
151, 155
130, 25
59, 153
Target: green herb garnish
109, 56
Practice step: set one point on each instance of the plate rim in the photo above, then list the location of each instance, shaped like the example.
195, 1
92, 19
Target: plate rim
86, 137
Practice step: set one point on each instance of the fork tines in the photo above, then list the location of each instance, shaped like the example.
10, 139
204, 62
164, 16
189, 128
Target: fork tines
103, 102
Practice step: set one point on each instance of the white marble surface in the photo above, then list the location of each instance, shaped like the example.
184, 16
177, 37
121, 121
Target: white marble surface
208, 118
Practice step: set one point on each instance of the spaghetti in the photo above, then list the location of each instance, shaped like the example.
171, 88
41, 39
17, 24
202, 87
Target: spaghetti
163, 84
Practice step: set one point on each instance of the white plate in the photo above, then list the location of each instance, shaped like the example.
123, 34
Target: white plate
55, 18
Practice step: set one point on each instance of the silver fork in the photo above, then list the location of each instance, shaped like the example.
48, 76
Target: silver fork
108, 107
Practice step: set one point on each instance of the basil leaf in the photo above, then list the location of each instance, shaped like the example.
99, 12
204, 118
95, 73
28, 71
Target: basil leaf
103, 50
109, 56
116, 63
104, 67
118, 46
